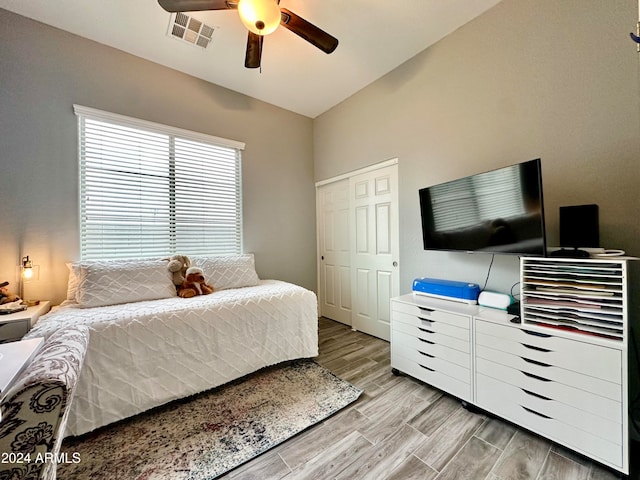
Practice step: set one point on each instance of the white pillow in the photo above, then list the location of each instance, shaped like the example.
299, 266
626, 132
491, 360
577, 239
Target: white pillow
228, 271
72, 284
113, 282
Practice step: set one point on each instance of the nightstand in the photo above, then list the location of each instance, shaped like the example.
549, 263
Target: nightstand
14, 325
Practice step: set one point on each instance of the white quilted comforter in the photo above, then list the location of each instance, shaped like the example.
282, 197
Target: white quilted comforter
145, 354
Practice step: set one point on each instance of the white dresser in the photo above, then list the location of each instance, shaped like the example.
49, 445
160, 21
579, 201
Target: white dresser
431, 341
562, 371
569, 391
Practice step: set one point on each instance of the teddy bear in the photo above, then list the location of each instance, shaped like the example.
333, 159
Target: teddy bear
178, 265
5, 296
194, 284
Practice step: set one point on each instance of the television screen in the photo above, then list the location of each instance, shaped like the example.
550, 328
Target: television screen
500, 211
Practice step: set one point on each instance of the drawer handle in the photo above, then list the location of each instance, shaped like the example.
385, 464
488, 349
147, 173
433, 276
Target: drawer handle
428, 310
537, 413
535, 362
425, 330
426, 320
537, 334
427, 368
533, 347
537, 395
426, 341
426, 354
537, 377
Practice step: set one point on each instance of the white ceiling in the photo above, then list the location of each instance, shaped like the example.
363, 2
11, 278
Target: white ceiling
375, 37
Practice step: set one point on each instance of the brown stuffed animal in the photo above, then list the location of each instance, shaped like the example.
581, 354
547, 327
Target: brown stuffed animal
5, 296
194, 284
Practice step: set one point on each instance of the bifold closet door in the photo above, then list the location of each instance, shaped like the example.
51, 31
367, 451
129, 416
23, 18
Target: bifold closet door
374, 249
333, 249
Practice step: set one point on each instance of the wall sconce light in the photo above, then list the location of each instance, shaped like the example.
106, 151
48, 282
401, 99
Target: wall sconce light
28, 273
27, 268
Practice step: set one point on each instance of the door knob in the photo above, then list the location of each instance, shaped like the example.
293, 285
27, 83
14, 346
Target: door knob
395, 264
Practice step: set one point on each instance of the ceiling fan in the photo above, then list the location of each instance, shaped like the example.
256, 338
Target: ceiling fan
261, 17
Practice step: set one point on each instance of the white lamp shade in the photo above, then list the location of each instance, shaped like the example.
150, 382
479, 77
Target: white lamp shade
261, 17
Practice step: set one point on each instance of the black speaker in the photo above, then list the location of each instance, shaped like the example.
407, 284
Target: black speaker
579, 226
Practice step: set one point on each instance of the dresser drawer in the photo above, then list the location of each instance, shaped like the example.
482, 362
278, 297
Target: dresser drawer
440, 380
446, 328
424, 313
433, 334
568, 414
404, 342
594, 436
437, 365
528, 363
586, 358
545, 387
13, 330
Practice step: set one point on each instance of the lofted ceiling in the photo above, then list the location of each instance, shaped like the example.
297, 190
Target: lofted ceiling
375, 37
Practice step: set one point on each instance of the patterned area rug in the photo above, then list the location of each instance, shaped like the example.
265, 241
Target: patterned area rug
205, 436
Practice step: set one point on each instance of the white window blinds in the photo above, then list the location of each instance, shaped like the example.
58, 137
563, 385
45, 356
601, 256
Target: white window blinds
467, 201
149, 190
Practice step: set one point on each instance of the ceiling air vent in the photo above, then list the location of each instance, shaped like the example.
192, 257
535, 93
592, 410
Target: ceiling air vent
190, 30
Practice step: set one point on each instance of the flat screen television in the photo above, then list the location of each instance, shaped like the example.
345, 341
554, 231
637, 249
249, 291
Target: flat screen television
500, 211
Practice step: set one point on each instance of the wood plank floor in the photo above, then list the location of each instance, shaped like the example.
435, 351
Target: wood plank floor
402, 429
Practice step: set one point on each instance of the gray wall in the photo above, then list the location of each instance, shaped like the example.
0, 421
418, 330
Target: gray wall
527, 79
44, 71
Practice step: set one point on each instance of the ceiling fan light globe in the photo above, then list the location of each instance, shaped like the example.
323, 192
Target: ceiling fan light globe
261, 17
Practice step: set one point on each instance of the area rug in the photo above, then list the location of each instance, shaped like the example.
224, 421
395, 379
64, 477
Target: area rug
207, 435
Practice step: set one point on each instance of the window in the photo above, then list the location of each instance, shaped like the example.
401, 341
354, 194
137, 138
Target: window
148, 190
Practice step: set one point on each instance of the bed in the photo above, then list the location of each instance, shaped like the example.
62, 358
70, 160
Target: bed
145, 353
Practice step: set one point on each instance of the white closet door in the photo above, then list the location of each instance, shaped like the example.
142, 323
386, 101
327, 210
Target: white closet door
374, 248
333, 248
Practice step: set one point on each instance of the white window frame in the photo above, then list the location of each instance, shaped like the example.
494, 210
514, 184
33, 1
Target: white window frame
93, 248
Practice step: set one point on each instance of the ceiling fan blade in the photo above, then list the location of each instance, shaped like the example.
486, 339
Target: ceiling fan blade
254, 50
312, 34
196, 5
